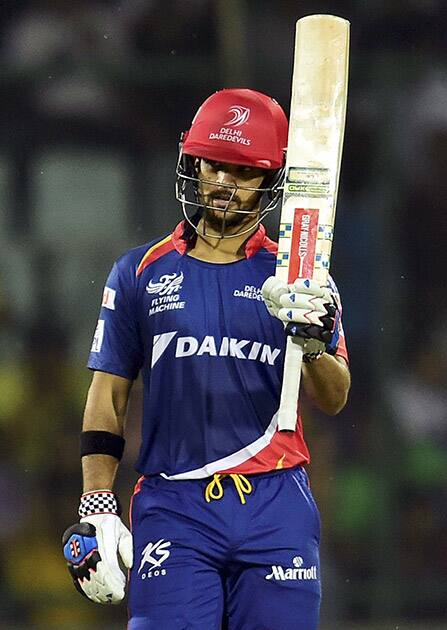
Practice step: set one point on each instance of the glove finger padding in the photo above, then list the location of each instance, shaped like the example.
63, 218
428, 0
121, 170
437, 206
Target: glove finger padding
272, 289
327, 331
125, 547
306, 303
302, 309
309, 287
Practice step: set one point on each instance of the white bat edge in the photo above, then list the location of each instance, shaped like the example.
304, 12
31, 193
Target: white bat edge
288, 406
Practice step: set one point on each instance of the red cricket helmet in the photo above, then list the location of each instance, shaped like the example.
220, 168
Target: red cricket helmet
239, 126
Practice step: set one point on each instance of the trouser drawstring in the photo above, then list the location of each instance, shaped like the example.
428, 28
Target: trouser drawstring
214, 490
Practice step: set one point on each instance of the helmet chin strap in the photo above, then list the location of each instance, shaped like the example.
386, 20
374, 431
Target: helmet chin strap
210, 229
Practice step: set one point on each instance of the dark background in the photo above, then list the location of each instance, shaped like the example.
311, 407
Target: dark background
94, 95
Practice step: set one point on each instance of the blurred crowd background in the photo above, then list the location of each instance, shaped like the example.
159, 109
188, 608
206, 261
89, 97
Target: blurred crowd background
94, 96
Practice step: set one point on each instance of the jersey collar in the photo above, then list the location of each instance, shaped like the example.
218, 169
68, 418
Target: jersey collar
182, 240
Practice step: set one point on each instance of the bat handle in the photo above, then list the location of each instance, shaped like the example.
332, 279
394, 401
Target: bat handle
288, 406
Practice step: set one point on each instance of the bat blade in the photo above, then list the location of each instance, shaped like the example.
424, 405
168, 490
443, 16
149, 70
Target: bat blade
315, 142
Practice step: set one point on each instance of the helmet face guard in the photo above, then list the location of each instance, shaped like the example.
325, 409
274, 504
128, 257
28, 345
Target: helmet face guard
193, 206
233, 126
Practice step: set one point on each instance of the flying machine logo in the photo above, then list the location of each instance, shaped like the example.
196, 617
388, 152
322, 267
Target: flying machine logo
240, 115
159, 549
166, 293
168, 284
227, 133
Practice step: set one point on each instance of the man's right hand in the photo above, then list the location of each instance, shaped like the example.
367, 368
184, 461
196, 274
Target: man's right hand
91, 549
308, 310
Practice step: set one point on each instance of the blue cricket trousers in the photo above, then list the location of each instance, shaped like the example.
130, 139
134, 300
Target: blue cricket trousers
225, 564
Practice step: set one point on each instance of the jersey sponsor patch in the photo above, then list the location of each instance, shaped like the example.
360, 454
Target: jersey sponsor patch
108, 298
297, 572
99, 336
215, 347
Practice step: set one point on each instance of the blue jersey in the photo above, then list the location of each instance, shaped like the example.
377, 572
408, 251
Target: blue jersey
210, 354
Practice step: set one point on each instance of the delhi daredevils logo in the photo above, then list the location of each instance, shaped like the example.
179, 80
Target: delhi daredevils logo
240, 115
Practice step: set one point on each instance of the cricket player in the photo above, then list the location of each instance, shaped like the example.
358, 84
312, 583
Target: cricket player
224, 529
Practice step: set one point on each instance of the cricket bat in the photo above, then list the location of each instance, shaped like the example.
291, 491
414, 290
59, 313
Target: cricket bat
316, 130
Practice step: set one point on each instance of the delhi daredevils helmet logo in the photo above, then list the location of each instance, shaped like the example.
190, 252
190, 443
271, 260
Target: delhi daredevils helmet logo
240, 115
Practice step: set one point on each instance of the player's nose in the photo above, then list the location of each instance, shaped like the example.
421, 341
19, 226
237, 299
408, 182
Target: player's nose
225, 176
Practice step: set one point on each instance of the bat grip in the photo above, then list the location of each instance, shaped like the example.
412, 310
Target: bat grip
288, 406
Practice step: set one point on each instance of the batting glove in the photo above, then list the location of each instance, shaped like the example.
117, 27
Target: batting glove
308, 311
91, 548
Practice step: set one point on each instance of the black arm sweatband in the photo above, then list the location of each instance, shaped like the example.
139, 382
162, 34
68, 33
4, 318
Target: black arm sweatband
102, 443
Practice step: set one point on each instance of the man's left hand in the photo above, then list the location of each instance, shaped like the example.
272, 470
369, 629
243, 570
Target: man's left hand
92, 546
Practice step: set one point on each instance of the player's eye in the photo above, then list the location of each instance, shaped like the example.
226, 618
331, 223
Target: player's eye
213, 164
249, 172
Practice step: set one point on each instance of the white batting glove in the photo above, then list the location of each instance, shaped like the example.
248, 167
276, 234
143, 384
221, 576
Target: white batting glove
308, 311
91, 548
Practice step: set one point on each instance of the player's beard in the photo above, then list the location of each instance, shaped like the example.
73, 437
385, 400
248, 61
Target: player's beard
226, 220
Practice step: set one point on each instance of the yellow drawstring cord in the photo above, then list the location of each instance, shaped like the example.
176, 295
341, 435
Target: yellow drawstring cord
214, 490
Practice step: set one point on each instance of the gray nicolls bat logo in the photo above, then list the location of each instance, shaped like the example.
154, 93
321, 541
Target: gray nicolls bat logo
160, 549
